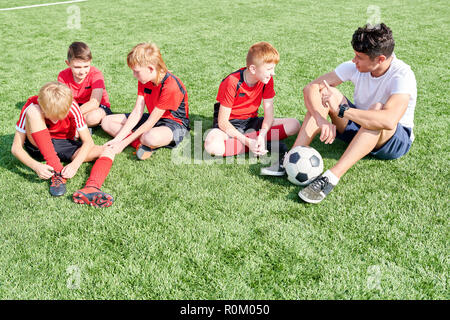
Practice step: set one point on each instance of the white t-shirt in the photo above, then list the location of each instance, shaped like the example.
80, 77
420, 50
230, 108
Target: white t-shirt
369, 90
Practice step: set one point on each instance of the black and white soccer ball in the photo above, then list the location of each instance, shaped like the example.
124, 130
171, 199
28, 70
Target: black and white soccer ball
303, 165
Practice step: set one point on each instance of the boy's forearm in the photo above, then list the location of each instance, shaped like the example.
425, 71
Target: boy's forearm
83, 153
230, 130
89, 106
24, 157
132, 120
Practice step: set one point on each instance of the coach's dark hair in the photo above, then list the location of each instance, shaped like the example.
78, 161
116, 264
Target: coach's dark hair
79, 50
374, 40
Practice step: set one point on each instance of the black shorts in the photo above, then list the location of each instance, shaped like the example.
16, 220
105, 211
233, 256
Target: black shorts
243, 125
104, 108
178, 130
65, 149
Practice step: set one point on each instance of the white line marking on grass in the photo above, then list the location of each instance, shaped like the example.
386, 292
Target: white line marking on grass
42, 5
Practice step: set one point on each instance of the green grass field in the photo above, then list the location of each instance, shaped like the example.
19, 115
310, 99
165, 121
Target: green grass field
200, 230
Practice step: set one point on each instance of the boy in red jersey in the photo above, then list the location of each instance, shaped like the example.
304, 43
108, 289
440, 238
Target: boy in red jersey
87, 84
236, 125
166, 99
46, 129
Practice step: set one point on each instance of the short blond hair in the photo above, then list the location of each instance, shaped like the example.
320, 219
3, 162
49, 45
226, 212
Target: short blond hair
55, 100
262, 52
145, 55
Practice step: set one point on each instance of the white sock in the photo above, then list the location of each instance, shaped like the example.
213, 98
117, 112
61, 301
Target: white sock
331, 177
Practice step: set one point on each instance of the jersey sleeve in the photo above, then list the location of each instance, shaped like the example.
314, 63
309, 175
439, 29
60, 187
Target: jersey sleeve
60, 78
80, 123
268, 91
170, 97
20, 125
404, 82
140, 89
227, 92
345, 71
98, 81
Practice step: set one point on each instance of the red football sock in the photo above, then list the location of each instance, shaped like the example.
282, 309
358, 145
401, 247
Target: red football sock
273, 131
45, 145
99, 172
234, 147
135, 143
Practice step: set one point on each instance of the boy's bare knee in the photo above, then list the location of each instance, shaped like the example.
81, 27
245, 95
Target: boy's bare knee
213, 148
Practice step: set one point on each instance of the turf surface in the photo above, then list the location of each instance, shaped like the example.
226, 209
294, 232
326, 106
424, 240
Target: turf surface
203, 230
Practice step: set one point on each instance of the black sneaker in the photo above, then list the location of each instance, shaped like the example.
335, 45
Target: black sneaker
277, 169
57, 185
317, 190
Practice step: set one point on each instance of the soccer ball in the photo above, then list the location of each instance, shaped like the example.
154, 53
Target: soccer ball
303, 165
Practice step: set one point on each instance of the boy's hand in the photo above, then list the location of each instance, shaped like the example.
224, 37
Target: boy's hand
44, 171
261, 145
69, 171
111, 143
254, 147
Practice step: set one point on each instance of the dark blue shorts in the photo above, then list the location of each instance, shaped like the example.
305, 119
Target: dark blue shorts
179, 131
398, 145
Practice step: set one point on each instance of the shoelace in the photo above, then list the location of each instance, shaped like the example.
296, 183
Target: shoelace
57, 180
319, 184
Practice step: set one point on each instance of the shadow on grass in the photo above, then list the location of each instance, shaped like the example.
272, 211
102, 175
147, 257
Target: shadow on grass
10, 163
20, 104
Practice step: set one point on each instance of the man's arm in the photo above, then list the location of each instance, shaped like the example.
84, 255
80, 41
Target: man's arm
385, 119
312, 96
94, 102
44, 171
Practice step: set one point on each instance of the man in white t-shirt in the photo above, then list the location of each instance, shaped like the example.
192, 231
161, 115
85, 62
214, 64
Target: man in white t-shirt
379, 122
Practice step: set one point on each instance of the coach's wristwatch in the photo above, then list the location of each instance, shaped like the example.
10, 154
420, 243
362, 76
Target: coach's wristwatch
342, 108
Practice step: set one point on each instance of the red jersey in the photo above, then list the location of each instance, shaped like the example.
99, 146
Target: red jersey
82, 91
62, 129
243, 100
169, 95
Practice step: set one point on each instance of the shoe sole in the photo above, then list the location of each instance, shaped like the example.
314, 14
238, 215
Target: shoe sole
271, 173
99, 200
308, 200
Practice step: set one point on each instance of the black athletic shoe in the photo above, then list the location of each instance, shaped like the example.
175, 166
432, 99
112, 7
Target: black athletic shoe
317, 190
276, 169
57, 185
93, 196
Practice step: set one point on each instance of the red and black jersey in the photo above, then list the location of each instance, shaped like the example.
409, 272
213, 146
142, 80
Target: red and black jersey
62, 129
243, 100
169, 95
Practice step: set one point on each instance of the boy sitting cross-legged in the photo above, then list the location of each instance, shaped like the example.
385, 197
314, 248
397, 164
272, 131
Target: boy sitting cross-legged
87, 84
236, 125
166, 99
46, 129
